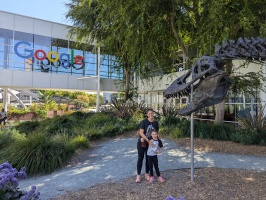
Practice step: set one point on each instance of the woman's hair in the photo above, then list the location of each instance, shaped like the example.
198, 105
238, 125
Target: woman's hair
150, 109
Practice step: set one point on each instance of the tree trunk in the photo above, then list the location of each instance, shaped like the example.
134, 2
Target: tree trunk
219, 108
219, 113
177, 37
127, 79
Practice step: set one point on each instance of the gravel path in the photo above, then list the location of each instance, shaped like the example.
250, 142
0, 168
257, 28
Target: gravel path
116, 159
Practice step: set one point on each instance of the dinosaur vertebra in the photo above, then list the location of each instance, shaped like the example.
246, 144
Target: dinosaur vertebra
210, 82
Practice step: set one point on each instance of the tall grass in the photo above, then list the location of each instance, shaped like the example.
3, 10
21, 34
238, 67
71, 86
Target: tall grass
27, 127
40, 153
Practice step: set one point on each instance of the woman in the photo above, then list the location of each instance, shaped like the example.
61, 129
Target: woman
146, 126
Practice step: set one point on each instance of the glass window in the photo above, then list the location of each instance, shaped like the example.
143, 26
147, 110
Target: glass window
23, 49
77, 67
40, 43
6, 48
59, 43
90, 60
90, 69
6, 37
23, 57
20, 36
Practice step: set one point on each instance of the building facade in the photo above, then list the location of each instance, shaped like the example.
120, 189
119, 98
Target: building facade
39, 54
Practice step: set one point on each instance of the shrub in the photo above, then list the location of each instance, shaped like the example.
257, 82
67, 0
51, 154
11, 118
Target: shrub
184, 126
81, 115
39, 153
62, 106
109, 130
206, 130
62, 125
69, 112
165, 130
42, 113
201, 129
249, 121
99, 120
93, 134
27, 127
33, 107
220, 132
9, 136
14, 110
170, 120
52, 105
249, 137
176, 133
79, 142
123, 109
137, 115
170, 111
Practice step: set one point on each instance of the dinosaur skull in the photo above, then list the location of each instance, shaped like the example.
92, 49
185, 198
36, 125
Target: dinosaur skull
210, 91
203, 67
208, 81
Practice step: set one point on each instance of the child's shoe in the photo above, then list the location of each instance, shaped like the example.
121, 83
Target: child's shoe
151, 179
160, 179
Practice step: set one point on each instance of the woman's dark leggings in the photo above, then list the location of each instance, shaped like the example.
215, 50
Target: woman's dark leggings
153, 161
141, 152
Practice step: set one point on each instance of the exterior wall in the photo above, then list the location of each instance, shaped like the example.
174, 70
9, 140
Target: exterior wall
32, 25
158, 83
39, 80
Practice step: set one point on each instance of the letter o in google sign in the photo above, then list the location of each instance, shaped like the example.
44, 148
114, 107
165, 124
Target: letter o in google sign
64, 58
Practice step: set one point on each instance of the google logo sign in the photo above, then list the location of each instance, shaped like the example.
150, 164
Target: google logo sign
52, 58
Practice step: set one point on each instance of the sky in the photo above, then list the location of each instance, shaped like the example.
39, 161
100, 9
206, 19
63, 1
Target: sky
51, 10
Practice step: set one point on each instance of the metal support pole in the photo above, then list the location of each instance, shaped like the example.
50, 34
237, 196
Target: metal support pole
98, 81
192, 136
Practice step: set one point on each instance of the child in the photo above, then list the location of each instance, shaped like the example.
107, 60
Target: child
152, 155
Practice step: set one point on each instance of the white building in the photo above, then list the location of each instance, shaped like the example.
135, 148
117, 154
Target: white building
37, 54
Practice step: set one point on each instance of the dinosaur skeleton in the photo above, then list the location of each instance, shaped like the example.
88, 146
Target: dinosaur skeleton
207, 76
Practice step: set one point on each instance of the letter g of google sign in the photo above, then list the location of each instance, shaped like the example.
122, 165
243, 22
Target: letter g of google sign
64, 58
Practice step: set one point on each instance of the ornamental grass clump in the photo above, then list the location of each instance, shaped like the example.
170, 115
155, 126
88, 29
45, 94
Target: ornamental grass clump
9, 181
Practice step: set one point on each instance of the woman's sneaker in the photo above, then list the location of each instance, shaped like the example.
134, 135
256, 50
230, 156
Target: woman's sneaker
160, 179
151, 179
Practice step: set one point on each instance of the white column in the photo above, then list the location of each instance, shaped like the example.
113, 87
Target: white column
98, 80
5, 99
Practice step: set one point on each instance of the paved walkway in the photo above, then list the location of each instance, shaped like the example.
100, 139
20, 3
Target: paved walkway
116, 159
